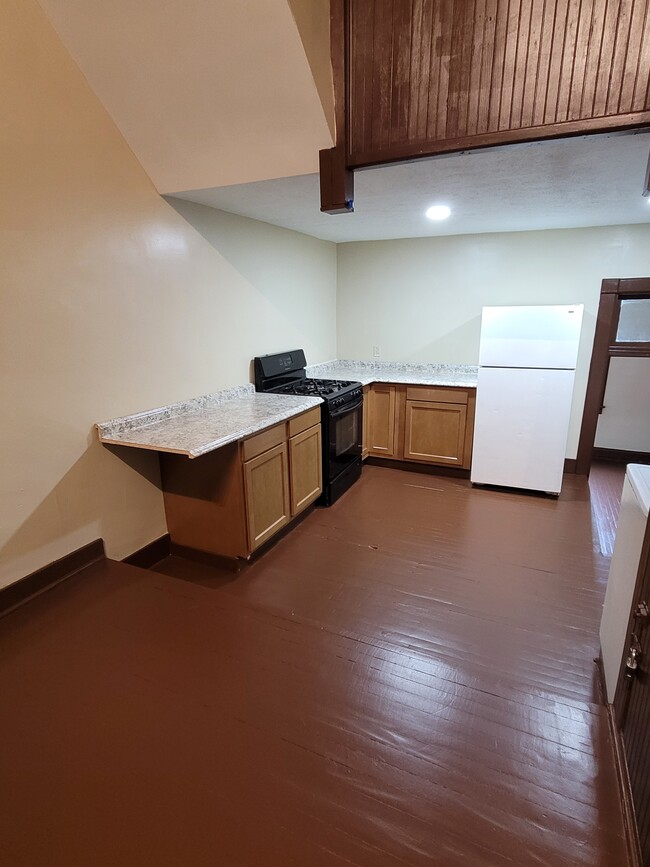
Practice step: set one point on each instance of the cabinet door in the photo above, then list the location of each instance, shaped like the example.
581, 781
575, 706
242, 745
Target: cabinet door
266, 479
306, 468
382, 412
435, 432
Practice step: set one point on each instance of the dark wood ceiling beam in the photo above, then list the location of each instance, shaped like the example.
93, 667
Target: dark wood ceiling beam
436, 147
418, 78
336, 178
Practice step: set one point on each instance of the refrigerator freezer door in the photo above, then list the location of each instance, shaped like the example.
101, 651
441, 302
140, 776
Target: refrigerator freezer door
546, 336
522, 422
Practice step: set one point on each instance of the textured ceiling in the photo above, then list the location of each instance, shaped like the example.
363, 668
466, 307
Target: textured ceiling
569, 183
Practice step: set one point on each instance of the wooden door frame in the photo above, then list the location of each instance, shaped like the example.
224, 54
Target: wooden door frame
612, 292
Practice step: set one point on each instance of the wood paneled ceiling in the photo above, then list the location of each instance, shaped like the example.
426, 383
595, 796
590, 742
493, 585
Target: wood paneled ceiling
416, 78
430, 76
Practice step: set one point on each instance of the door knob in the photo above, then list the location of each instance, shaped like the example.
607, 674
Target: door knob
633, 657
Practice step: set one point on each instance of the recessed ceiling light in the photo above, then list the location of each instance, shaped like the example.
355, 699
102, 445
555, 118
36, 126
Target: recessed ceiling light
438, 212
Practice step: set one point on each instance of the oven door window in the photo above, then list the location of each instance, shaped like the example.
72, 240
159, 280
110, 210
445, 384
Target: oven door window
344, 440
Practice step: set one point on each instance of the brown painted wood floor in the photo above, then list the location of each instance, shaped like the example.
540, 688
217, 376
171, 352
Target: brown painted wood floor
407, 678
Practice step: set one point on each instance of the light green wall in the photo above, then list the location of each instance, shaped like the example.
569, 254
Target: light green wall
420, 299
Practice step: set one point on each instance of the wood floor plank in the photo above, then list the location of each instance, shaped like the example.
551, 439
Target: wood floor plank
406, 678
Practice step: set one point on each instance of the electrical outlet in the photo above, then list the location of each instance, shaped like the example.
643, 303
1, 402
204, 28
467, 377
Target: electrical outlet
375, 351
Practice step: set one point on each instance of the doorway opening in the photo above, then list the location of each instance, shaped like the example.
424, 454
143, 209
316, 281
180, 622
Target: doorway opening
621, 343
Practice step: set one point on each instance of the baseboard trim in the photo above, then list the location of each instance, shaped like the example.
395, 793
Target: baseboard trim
413, 467
620, 456
150, 554
49, 576
625, 792
454, 472
230, 564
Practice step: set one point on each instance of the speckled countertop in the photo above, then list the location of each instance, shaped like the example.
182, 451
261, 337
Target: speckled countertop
200, 425
366, 372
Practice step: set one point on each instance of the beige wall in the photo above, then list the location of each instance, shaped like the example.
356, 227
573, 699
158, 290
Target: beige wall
113, 302
421, 299
313, 20
205, 93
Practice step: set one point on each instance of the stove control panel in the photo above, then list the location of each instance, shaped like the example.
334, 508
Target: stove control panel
350, 397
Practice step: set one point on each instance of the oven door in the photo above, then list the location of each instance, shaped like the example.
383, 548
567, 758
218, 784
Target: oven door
343, 438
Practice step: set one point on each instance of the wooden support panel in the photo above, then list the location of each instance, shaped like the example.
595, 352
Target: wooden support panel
204, 501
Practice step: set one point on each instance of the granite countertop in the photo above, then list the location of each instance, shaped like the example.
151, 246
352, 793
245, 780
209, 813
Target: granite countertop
367, 372
200, 425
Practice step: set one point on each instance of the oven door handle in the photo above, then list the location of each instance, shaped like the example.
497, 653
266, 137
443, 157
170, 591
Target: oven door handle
345, 409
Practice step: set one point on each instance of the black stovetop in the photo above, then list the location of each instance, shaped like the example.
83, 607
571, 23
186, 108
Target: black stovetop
285, 373
317, 387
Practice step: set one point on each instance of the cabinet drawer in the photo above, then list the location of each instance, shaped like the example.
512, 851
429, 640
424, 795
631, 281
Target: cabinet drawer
303, 422
437, 395
262, 442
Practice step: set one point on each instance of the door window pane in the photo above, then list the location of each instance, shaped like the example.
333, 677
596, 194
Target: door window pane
634, 321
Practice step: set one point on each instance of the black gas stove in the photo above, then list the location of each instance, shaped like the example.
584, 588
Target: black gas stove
325, 388
341, 415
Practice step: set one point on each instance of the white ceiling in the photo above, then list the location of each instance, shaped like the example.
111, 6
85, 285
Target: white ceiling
568, 183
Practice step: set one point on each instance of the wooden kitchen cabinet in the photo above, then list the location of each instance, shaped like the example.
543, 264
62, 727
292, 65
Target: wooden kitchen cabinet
365, 431
435, 432
438, 426
305, 468
382, 420
231, 501
422, 424
266, 483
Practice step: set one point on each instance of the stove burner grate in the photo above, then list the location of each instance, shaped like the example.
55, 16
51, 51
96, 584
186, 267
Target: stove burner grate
319, 387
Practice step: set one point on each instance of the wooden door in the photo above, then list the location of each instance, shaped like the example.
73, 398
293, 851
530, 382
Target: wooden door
435, 432
266, 480
632, 704
306, 468
382, 415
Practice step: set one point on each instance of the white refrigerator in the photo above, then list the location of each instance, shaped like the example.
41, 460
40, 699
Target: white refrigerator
527, 360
